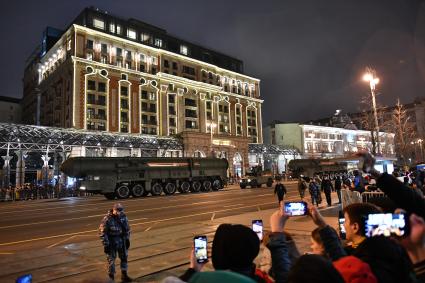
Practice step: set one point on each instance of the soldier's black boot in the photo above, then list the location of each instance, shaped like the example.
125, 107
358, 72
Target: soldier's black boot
125, 277
111, 276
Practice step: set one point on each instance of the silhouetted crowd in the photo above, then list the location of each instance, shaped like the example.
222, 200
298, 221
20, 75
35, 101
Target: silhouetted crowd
33, 192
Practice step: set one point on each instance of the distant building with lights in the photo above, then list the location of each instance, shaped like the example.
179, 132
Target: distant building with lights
313, 141
107, 74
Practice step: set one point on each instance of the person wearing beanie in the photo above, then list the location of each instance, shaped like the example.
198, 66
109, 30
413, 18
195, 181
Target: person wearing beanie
234, 249
354, 270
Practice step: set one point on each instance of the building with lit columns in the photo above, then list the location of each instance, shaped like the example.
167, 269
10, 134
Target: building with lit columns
107, 74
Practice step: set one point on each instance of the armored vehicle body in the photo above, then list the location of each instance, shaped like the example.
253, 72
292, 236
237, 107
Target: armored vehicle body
122, 177
256, 178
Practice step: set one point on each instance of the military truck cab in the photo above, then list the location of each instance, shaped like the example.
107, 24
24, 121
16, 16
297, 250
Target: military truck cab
256, 178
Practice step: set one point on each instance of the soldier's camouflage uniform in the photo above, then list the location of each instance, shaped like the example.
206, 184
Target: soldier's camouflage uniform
114, 237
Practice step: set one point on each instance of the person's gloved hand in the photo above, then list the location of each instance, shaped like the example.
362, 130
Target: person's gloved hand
106, 249
127, 244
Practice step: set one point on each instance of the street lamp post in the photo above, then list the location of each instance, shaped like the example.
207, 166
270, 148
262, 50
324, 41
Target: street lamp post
212, 125
422, 150
370, 77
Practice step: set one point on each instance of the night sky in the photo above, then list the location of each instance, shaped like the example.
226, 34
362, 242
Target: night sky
309, 55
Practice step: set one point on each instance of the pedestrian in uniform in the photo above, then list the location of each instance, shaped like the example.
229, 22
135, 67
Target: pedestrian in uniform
302, 186
338, 186
327, 188
115, 235
279, 190
314, 190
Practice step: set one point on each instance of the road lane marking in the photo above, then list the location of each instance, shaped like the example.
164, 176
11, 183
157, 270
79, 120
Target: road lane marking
6, 253
55, 244
212, 216
232, 205
135, 224
128, 213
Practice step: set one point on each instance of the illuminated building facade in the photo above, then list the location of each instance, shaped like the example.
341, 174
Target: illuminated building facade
107, 74
326, 142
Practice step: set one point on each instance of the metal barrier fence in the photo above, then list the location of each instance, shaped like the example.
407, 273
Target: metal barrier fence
349, 197
366, 196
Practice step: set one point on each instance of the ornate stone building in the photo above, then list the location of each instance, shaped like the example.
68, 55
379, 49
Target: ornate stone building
104, 73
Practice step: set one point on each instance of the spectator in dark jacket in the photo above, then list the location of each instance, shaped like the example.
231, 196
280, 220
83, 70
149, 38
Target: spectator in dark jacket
234, 248
280, 191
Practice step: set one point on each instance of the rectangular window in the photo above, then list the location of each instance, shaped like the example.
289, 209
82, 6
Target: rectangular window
101, 87
119, 62
142, 57
118, 29
190, 113
131, 33
174, 66
91, 85
124, 90
154, 60
171, 110
103, 59
124, 104
104, 48
183, 49
166, 64
171, 98
144, 94
172, 122
144, 37
189, 102
98, 23
112, 27
191, 124
188, 70
89, 44
89, 56
158, 42
144, 106
128, 55
152, 96
119, 52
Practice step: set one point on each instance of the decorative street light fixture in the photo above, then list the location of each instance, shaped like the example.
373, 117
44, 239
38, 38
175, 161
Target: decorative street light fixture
370, 76
211, 125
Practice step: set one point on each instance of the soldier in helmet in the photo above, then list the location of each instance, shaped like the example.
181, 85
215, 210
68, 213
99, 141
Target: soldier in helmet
115, 235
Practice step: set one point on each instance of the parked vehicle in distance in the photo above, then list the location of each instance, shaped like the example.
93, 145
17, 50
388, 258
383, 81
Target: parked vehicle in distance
256, 178
122, 177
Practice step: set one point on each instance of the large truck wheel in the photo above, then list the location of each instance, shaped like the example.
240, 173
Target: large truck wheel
110, 196
253, 183
196, 186
184, 187
243, 186
170, 188
216, 185
138, 190
156, 189
206, 185
122, 191
269, 183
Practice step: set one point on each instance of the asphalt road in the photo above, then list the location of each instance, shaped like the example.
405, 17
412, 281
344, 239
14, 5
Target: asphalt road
47, 223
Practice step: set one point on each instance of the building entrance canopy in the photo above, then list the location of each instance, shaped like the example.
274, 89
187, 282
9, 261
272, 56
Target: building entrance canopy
37, 138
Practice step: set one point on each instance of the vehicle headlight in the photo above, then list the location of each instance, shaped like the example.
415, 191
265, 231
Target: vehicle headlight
83, 188
249, 180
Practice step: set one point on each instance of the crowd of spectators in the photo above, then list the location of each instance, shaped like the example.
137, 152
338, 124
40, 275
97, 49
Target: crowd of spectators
33, 192
356, 259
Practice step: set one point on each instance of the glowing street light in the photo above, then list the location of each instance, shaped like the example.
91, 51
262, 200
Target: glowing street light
211, 125
370, 76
